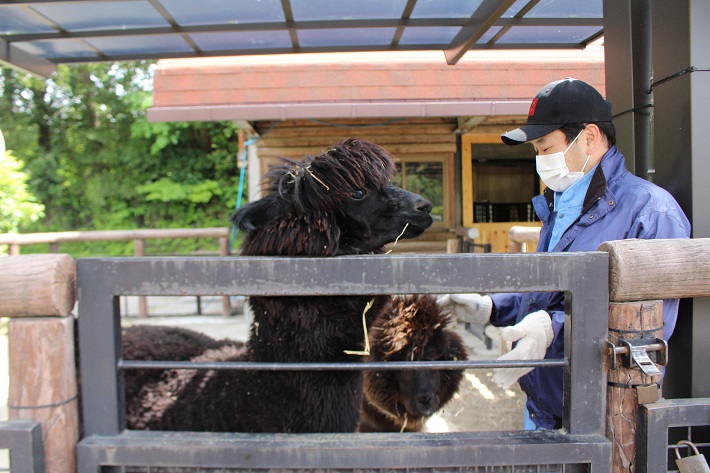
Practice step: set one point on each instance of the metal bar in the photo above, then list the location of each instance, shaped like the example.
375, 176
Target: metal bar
380, 366
650, 347
24, 440
28, 63
315, 49
482, 19
235, 27
100, 335
586, 324
642, 68
362, 452
347, 275
654, 421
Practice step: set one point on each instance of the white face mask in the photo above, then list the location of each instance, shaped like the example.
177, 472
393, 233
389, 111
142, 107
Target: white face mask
554, 172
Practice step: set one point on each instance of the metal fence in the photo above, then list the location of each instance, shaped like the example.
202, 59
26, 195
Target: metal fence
581, 444
662, 424
23, 438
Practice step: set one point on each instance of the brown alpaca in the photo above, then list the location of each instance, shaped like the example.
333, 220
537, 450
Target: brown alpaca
338, 203
415, 329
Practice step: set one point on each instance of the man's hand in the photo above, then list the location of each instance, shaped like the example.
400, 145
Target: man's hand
534, 335
471, 308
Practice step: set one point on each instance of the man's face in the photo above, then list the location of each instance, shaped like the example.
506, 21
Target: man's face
556, 142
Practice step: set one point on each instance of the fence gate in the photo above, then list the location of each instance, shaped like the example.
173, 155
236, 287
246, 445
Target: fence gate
663, 423
108, 446
23, 438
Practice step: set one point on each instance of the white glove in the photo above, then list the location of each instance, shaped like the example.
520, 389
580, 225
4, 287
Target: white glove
471, 308
534, 335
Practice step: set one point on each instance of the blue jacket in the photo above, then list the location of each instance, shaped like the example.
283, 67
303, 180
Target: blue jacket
618, 205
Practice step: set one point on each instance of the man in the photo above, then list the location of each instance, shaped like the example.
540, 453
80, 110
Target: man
590, 198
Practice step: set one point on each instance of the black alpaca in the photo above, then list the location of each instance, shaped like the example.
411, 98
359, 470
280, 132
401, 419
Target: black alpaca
338, 203
155, 387
415, 329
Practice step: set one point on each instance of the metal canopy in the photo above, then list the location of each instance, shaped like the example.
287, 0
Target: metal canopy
37, 35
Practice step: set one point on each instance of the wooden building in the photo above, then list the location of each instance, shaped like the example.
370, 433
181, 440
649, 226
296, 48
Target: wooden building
441, 123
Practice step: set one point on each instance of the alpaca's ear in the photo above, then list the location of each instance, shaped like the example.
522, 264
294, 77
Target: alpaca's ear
256, 214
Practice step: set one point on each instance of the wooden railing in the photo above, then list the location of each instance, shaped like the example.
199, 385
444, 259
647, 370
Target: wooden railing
16, 240
54, 239
519, 236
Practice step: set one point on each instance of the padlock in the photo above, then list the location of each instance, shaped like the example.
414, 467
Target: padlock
692, 463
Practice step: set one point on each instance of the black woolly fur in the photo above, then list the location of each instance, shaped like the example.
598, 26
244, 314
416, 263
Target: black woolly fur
338, 203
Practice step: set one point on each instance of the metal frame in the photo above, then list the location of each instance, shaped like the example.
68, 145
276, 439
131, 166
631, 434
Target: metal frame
654, 421
24, 440
487, 14
582, 276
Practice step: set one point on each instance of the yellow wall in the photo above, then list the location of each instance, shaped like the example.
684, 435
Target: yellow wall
494, 233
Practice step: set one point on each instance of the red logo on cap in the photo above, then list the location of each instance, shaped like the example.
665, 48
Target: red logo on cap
531, 112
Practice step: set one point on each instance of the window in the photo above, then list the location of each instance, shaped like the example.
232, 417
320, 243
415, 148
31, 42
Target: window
426, 178
503, 183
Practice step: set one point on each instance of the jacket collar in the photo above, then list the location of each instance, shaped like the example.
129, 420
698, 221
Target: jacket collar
612, 164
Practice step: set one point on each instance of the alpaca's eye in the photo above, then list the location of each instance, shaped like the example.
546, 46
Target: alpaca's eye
358, 194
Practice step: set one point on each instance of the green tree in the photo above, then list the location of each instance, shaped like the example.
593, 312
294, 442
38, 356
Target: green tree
96, 163
17, 205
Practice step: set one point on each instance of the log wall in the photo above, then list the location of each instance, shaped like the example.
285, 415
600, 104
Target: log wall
297, 138
38, 293
427, 139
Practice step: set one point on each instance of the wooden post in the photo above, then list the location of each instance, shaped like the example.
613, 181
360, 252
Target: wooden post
629, 320
139, 250
452, 246
224, 251
38, 291
43, 385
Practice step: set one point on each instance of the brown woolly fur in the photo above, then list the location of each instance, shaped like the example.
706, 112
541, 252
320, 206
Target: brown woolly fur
156, 343
414, 329
156, 389
338, 203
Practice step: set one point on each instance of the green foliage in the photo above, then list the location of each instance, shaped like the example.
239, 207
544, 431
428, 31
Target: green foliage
17, 205
96, 163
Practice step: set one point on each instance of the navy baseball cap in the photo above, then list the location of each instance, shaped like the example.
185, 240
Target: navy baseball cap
557, 104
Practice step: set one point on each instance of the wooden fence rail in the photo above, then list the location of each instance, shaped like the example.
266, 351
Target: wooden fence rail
15, 241
520, 236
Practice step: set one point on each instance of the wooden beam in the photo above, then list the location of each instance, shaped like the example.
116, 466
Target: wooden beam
394, 149
37, 285
658, 269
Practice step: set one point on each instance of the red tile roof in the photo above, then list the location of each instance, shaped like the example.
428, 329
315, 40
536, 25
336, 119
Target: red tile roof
340, 85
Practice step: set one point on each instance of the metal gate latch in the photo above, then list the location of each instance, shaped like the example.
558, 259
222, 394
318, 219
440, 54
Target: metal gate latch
695, 463
636, 352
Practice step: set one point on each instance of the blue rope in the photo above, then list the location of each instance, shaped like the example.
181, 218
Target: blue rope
242, 172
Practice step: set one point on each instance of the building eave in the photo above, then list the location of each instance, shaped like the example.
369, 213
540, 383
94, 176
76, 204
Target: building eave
292, 111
